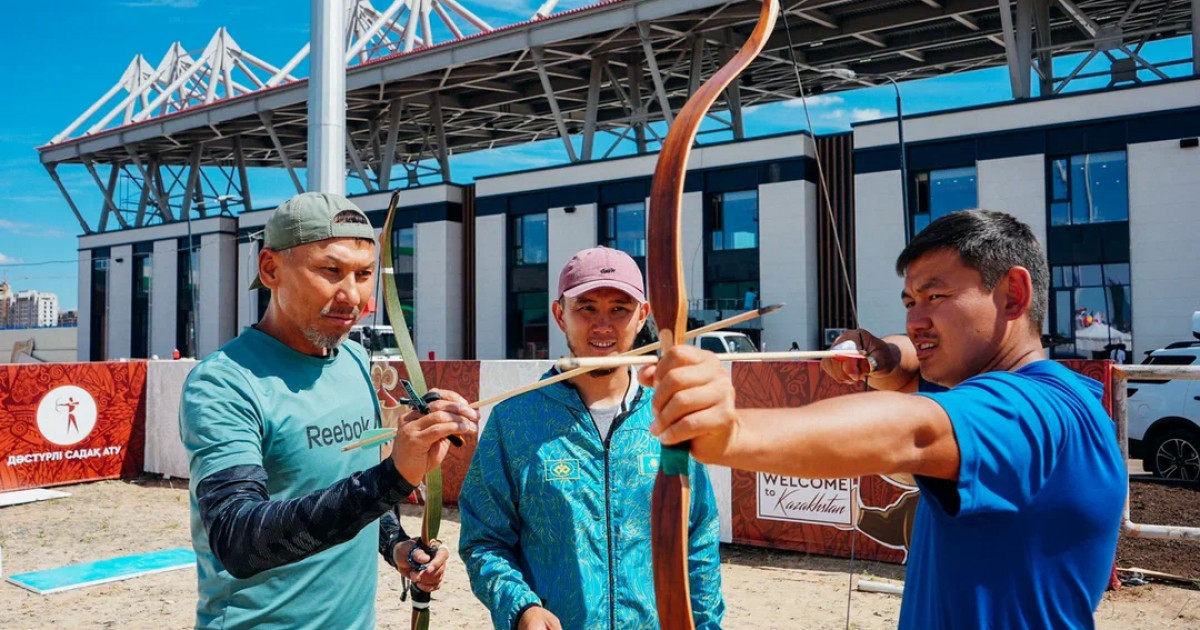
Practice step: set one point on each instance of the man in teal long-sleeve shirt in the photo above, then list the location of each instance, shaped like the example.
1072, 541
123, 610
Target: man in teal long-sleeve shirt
556, 504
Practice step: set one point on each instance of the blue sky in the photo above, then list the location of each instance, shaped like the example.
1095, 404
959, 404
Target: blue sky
61, 57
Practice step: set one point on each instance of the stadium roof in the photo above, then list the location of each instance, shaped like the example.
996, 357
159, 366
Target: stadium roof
605, 71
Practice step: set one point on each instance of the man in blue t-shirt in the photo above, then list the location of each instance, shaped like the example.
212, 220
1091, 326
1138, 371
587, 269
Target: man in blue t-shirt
1022, 481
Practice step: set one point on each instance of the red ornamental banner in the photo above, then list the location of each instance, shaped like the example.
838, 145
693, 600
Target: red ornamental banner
456, 376
814, 516
1097, 370
64, 423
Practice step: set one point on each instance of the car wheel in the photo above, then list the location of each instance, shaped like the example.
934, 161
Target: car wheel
1176, 455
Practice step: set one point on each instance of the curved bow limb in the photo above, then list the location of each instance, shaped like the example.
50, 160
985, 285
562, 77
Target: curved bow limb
668, 301
432, 520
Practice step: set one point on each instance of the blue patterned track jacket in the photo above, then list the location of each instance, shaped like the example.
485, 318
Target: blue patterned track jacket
553, 515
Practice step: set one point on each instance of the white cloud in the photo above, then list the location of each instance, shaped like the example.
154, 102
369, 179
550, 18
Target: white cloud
859, 114
9, 260
820, 100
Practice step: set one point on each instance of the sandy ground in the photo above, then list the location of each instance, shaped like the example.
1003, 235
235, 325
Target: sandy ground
763, 589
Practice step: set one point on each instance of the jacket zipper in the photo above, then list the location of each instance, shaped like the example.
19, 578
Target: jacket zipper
606, 440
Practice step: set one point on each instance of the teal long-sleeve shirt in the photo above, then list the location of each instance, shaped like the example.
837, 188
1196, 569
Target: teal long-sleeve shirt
554, 514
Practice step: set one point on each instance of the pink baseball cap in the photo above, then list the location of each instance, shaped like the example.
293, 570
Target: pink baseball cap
601, 267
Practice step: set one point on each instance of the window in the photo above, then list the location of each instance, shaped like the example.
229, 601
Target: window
712, 344
1169, 359
623, 227
731, 256
1161, 359
735, 220
186, 281
98, 326
1089, 188
528, 288
139, 321
741, 344
733, 296
404, 257
531, 243
938, 193
533, 328
1090, 310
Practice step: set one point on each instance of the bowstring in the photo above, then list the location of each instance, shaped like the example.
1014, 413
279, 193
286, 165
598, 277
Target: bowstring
837, 239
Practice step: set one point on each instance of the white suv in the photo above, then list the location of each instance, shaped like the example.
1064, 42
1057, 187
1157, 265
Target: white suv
1164, 417
380, 341
724, 341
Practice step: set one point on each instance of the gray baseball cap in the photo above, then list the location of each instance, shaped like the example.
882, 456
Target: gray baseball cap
308, 218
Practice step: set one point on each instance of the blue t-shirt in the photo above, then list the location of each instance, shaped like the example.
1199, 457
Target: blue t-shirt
1027, 536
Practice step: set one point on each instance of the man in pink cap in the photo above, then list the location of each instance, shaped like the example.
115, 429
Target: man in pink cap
597, 280
556, 504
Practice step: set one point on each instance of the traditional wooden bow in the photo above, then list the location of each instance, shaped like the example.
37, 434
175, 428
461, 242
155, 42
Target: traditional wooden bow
432, 520
668, 301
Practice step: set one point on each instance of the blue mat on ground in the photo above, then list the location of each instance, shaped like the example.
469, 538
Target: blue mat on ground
99, 572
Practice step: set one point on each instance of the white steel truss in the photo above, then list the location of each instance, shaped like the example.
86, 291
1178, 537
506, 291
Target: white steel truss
180, 81
224, 70
545, 10
404, 26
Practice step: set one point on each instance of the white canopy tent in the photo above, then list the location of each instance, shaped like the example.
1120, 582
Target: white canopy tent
1096, 337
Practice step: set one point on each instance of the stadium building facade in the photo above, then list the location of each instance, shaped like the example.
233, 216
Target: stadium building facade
1106, 179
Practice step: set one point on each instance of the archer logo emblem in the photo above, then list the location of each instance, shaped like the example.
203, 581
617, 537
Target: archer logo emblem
66, 415
562, 469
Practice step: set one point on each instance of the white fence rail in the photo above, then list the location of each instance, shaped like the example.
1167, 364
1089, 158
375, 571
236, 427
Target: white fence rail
1120, 378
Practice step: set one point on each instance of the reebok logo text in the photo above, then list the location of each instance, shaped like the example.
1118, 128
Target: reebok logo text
338, 434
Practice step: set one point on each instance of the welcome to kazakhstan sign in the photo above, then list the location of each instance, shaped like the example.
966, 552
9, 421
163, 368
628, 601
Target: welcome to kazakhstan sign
799, 500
